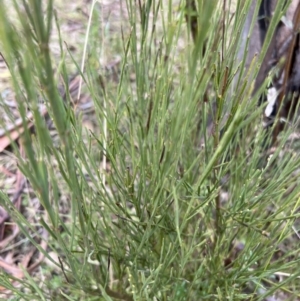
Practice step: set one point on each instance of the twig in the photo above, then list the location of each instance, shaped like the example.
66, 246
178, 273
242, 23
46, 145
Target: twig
63, 269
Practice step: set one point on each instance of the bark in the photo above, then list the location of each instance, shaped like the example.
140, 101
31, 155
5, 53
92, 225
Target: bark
283, 52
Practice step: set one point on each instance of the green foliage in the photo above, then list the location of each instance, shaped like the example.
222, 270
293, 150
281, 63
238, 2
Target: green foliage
155, 225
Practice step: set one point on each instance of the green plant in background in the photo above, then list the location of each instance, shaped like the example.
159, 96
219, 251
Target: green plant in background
180, 214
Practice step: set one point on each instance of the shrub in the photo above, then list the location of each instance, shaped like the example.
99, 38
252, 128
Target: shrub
161, 206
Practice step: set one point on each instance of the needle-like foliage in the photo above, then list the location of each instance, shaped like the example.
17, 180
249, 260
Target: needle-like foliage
175, 197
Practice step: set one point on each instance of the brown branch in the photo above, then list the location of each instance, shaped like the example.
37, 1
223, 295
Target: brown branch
287, 72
